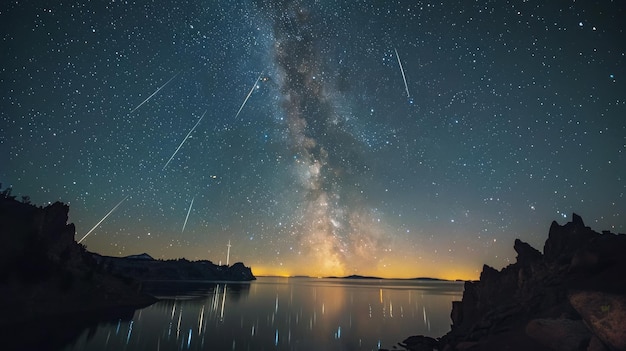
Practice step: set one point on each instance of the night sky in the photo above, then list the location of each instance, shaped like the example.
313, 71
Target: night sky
395, 138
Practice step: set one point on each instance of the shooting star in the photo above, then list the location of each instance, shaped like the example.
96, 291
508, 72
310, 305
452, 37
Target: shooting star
182, 142
408, 95
155, 92
188, 212
247, 97
103, 218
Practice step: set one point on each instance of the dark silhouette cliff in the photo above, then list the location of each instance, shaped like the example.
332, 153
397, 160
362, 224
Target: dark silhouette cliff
571, 297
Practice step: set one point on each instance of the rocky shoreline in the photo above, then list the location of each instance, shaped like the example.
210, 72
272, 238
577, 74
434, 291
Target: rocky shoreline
570, 297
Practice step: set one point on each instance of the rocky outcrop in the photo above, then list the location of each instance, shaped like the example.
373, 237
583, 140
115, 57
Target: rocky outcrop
571, 297
145, 268
564, 241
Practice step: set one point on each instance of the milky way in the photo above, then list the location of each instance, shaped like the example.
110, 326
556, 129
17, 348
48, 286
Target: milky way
326, 158
311, 157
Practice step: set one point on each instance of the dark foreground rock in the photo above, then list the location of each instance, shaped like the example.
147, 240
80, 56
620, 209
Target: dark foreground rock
571, 297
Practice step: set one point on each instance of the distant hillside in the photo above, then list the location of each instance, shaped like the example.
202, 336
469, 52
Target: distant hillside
144, 268
354, 276
143, 256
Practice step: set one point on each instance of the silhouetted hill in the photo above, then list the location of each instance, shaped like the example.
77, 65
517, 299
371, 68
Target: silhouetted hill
355, 276
143, 256
145, 268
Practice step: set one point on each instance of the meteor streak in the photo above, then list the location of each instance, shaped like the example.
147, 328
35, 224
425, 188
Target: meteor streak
155, 92
188, 212
403, 76
103, 218
182, 142
247, 97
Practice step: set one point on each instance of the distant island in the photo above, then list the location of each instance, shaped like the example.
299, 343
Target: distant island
356, 276
570, 297
45, 272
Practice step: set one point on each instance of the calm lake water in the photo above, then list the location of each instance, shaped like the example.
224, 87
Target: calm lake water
281, 314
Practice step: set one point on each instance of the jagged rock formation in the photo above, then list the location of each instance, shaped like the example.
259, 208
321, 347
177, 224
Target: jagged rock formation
571, 297
145, 268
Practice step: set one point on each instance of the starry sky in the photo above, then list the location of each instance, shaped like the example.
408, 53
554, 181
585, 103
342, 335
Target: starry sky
395, 138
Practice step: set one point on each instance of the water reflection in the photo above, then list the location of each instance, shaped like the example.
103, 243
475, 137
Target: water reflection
282, 314
55, 333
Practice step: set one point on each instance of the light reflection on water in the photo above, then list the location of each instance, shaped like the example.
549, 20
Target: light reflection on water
282, 314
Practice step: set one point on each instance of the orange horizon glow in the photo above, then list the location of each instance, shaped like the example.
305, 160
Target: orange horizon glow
450, 274
386, 268
402, 264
